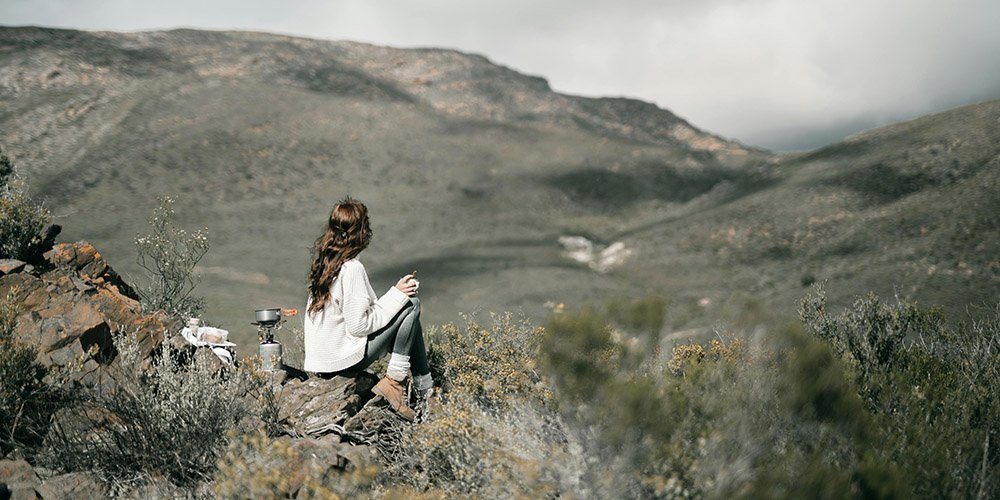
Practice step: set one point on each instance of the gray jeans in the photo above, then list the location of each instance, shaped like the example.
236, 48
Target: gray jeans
403, 335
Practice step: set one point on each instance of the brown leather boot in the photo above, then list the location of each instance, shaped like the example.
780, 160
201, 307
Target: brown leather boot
394, 393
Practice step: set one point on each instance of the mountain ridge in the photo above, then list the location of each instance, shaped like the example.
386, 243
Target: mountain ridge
474, 174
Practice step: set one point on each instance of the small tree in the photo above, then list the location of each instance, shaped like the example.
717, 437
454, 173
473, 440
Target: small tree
168, 255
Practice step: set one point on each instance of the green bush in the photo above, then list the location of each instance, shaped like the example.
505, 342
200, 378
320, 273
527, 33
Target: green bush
496, 366
931, 388
168, 417
6, 168
774, 418
169, 254
257, 466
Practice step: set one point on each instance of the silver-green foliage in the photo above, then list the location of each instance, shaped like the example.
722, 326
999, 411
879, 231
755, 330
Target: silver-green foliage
21, 221
931, 388
170, 416
169, 254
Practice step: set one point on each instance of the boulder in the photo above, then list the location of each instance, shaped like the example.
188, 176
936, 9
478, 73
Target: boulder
72, 304
17, 479
72, 485
320, 406
83, 258
11, 266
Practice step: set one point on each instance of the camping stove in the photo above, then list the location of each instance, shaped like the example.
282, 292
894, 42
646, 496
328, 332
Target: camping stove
269, 349
266, 329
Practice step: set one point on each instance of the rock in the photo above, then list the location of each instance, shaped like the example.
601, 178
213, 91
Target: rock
370, 419
83, 258
73, 485
72, 306
17, 479
599, 259
43, 243
320, 458
11, 266
319, 406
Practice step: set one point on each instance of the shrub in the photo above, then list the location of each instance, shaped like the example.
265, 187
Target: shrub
166, 418
776, 417
644, 315
256, 466
168, 255
6, 168
21, 222
496, 366
25, 401
496, 433
468, 450
931, 387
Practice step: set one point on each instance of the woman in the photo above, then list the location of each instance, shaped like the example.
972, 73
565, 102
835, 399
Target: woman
347, 326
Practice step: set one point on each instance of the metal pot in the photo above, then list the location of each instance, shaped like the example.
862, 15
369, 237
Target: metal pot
268, 315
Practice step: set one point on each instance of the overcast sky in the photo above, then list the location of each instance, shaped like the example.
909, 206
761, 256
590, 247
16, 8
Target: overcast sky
782, 74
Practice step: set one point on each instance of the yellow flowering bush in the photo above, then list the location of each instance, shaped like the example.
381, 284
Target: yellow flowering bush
495, 433
496, 365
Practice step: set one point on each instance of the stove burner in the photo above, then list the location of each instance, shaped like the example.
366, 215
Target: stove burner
266, 329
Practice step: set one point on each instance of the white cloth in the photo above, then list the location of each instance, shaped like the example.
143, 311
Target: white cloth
217, 349
399, 367
335, 336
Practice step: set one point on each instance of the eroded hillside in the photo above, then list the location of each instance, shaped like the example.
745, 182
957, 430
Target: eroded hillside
473, 172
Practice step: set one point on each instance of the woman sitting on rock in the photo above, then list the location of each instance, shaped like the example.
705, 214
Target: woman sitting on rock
347, 326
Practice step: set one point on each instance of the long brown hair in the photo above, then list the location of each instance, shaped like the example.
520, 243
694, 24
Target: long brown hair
347, 233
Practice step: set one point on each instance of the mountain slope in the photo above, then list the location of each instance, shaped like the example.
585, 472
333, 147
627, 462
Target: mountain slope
473, 172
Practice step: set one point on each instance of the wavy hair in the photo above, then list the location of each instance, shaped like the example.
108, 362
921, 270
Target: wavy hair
347, 233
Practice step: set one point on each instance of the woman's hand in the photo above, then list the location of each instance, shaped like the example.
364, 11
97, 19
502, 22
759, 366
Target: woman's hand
408, 285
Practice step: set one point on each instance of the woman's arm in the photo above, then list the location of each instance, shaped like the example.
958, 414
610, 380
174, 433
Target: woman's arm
362, 316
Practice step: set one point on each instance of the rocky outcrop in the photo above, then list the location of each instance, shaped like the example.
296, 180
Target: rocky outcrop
317, 406
72, 303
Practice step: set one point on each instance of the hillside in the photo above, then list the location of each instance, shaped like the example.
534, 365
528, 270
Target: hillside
473, 172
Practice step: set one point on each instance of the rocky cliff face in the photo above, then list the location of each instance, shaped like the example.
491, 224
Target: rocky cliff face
72, 302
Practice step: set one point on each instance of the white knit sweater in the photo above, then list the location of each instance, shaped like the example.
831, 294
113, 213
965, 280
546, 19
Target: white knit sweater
335, 336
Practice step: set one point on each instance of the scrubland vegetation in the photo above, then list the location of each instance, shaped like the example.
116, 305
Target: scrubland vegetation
21, 218
885, 399
168, 255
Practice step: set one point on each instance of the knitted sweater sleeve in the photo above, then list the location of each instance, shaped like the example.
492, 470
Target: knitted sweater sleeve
362, 316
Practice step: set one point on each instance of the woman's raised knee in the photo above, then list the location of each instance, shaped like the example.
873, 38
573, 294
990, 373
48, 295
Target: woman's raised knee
415, 303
